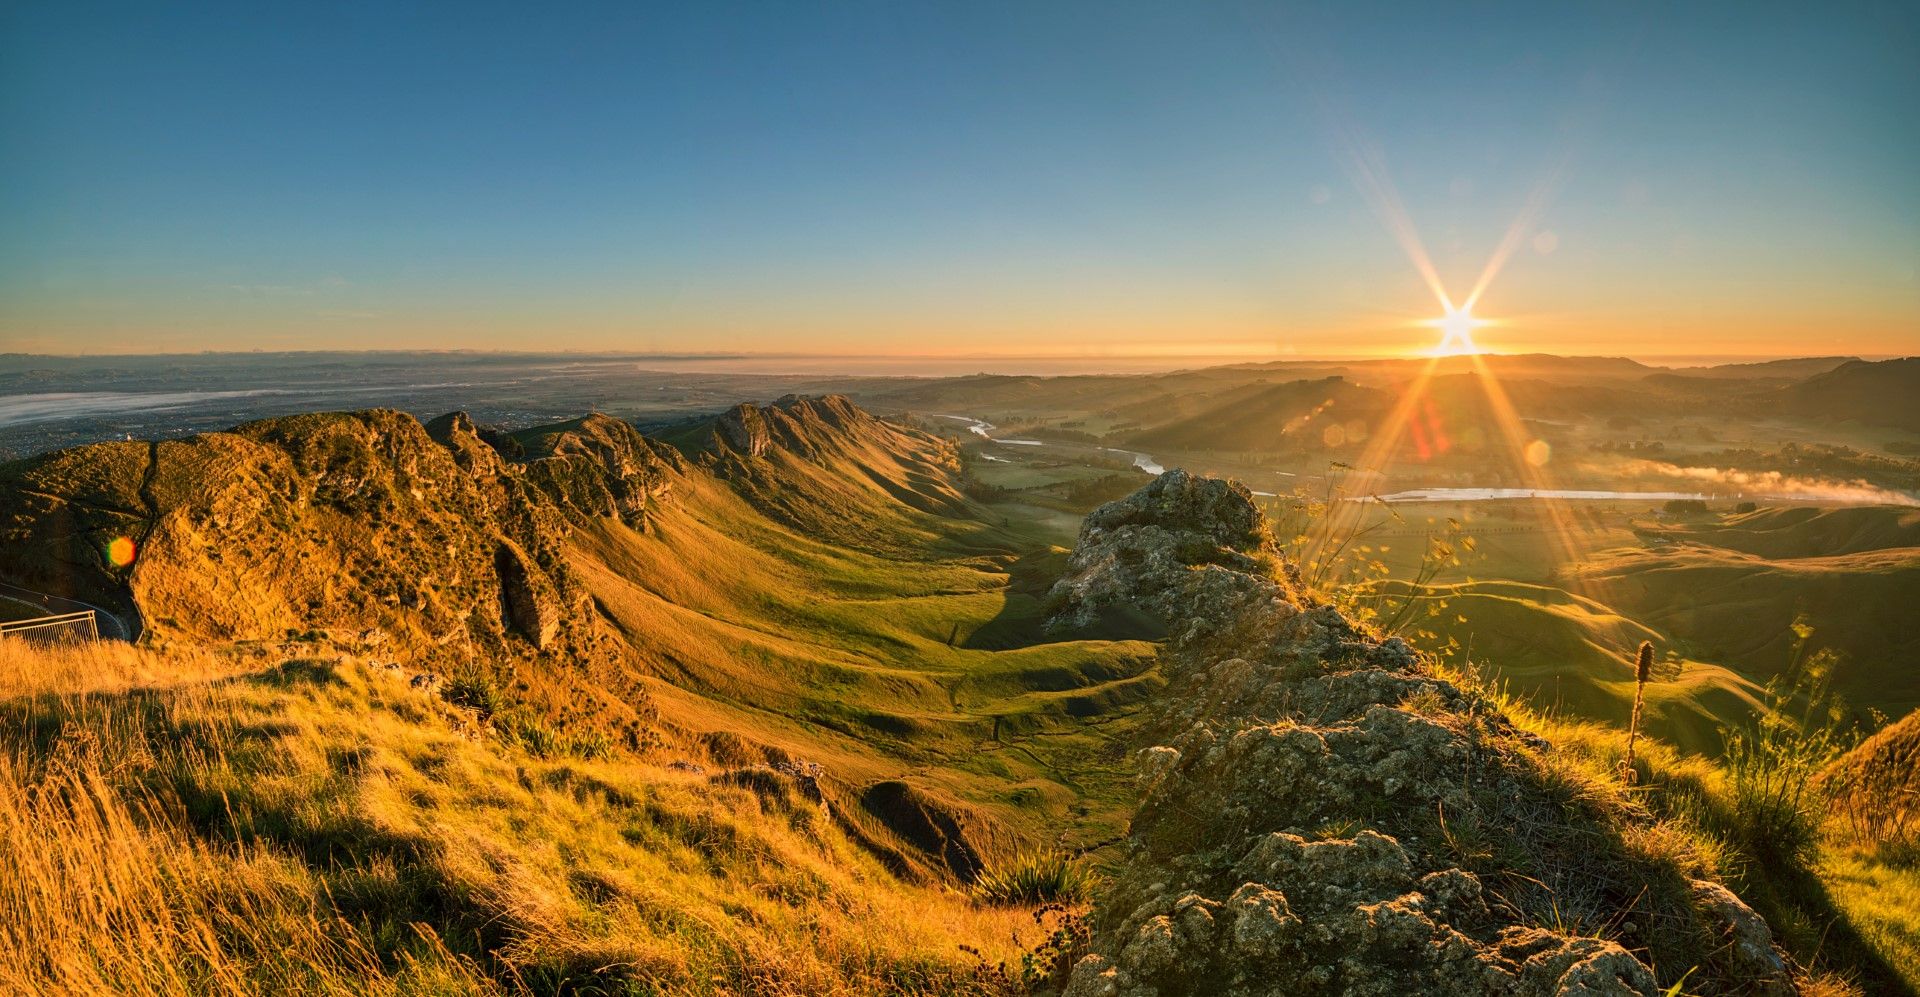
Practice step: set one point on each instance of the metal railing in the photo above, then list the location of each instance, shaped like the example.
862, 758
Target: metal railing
51, 629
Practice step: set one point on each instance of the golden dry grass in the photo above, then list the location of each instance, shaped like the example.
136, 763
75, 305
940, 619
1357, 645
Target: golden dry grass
102, 896
319, 827
28, 669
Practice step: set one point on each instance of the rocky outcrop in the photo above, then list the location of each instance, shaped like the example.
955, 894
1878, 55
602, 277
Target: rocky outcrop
601, 466
1322, 816
1180, 543
742, 430
464, 441
809, 426
824, 465
335, 522
1746, 950
526, 595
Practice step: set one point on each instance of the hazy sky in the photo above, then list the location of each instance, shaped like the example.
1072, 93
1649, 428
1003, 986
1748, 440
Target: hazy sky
970, 177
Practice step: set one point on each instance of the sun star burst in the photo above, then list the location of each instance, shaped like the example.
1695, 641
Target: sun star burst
1456, 329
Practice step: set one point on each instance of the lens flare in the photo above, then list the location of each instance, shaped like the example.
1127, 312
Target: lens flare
121, 552
1456, 328
1414, 417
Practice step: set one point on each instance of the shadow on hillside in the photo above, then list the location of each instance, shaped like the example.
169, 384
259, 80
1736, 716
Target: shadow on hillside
1021, 621
1795, 901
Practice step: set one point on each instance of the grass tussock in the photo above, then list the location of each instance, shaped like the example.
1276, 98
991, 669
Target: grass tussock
320, 827
1036, 876
1875, 791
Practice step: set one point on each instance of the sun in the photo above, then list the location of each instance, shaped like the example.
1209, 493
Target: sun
1457, 333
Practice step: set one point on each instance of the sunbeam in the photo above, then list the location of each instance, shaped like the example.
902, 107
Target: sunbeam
1345, 513
1456, 329
1533, 458
1523, 224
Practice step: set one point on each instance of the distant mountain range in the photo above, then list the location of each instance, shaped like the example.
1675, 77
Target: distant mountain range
1288, 404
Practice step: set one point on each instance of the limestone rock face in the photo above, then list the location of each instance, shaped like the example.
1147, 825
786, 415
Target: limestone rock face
1179, 546
463, 441
1323, 816
1219, 510
800, 424
826, 466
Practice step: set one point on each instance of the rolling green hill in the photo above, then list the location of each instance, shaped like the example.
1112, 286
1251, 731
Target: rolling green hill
1709, 591
1801, 532
1720, 597
1572, 654
756, 709
1883, 393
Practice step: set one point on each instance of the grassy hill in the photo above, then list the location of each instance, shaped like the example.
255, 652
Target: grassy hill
235, 823
1732, 592
798, 670
1570, 654
1802, 532
765, 707
1265, 416
1720, 596
1793, 369
1883, 393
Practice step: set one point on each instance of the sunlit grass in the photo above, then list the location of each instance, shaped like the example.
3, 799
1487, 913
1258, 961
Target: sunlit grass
1879, 896
103, 893
322, 828
70, 668
1833, 895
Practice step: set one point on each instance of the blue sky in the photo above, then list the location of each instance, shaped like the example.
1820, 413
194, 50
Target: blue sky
977, 177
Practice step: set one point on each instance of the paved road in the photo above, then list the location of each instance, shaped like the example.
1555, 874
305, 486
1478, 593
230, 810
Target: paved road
111, 625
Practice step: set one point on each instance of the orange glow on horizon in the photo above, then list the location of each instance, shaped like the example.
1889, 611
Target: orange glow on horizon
1457, 333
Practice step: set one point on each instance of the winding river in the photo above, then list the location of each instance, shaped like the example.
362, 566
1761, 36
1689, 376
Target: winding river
1146, 463
984, 430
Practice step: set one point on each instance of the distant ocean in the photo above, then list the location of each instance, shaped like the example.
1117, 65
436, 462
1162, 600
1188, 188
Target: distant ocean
911, 366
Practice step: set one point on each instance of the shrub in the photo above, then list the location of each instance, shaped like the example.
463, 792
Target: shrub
544, 739
1034, 877
538, 737
1776, 813
477, 691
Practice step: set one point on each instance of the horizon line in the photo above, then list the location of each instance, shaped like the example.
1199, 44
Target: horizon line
1224, 358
